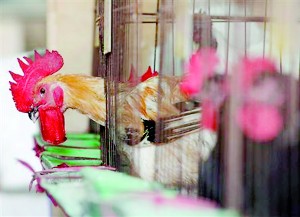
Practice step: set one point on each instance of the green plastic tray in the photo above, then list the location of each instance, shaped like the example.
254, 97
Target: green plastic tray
78, 150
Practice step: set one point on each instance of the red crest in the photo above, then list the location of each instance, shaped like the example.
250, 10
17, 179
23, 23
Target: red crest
35, 70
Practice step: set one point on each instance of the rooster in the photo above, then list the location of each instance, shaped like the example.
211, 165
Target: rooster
45, 94
268, 118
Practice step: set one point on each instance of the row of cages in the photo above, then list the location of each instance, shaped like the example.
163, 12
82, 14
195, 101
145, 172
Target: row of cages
203, 96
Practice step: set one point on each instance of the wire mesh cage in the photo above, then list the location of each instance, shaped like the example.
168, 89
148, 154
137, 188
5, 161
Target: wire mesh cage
244, 152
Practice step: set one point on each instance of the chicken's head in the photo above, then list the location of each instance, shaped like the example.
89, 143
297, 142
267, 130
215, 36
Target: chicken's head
48, 96
202, 83
34, 71
39, 99
263, 98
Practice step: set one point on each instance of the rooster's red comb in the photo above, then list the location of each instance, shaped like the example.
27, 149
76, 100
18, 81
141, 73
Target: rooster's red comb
251, 68
34, 71
148, 74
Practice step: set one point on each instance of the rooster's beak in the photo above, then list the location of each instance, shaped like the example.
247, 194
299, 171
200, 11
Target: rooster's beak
34, 114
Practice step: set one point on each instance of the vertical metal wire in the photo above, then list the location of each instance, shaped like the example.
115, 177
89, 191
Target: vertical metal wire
137, 60
136, 8
265, 27
156, 34
249, 156
93, 126
208, 7
158, 20
234, 150
194, 12
248, 147
194, 6
116, 78
110, 89
162, 27
173, 38
110, 119
271, 30
233, 156
293, 120
228, 39
103, 65
120, 74
265, 204
173, 20
127, 48
245, 30
209, 26
108, 109
115, 73
249, 167
280, 60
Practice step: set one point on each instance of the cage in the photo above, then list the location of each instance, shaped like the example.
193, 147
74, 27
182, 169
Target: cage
257, 177
124, 61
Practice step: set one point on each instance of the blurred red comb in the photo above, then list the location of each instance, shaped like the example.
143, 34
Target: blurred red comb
37, 69
148, 74
251, 68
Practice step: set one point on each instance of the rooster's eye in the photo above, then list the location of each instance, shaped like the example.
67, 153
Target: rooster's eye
42, 91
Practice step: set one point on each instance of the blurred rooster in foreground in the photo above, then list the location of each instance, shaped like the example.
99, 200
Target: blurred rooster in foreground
43, 94
268, 121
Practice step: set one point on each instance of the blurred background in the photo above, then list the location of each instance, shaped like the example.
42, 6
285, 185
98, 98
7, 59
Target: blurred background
26, 25
68, 26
